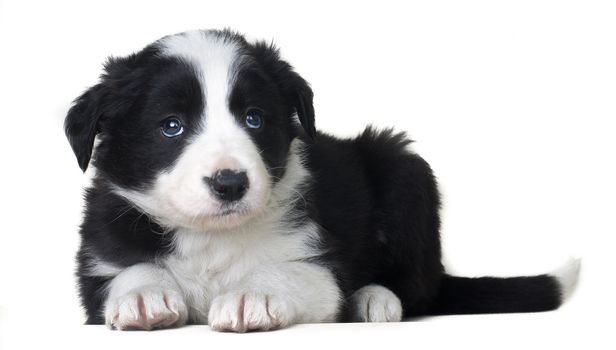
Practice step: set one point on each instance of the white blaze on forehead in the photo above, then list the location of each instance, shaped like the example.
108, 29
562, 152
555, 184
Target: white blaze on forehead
215, 58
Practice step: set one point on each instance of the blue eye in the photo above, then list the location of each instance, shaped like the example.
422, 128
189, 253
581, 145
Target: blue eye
172, 127
254, 120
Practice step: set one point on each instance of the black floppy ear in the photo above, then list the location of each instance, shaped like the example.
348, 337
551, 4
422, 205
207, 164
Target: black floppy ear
293, 87
81, 123
112, 96
305, 108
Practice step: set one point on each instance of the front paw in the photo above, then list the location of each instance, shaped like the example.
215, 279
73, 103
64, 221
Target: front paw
146, 309
249, 311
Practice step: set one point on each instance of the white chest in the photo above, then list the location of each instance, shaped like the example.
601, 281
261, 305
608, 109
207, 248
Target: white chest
205, 265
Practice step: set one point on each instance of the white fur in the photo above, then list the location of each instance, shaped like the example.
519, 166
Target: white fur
179, 197
257, 267
275, 296
144, 296
567, 276
374, 303
265, 249
101, 268
241, 312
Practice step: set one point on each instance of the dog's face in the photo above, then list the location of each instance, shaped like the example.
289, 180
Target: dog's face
195, 129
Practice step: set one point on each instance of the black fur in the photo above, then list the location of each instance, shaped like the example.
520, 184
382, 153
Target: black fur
463, 295
377, 202
114, 231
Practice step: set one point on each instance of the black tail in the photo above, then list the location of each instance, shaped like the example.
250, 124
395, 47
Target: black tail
463, 295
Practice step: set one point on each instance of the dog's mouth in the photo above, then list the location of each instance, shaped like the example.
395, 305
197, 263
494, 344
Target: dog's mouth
227, 216
225, 212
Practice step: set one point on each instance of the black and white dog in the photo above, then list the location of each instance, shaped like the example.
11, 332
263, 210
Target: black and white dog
214, 200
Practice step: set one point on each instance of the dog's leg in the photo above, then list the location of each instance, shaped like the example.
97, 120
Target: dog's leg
144, 296
277, 296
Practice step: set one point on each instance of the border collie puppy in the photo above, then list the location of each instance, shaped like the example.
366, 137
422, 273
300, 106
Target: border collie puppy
215, 201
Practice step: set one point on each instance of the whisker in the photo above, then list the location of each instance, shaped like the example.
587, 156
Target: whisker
135, 222
125, 210
297, 192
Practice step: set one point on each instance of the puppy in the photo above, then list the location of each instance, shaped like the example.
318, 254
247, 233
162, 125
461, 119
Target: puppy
215, 201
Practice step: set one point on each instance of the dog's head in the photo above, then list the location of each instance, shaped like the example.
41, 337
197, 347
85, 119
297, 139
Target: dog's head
195, 129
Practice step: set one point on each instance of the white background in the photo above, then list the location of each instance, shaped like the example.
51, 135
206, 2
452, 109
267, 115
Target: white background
513, 104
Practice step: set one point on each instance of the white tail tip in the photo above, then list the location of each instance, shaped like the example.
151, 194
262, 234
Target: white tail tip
567, 276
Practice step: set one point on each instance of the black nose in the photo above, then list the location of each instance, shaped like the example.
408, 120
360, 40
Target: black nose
228, 185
